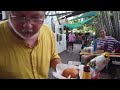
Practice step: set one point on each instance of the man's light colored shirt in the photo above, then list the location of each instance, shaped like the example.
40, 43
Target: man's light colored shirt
17, 61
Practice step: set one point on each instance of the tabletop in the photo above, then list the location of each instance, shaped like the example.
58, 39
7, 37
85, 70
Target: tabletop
90, 53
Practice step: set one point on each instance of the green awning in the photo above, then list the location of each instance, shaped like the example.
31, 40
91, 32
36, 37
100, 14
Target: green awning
76, 25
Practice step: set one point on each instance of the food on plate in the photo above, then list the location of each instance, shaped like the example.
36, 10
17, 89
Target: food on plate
72, 72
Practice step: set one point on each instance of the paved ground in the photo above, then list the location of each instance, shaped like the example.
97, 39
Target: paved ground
74, 56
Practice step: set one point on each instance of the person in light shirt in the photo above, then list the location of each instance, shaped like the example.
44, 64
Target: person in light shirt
71, 39
101, 41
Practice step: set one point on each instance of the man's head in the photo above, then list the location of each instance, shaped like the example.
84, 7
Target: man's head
102, 32
27, 23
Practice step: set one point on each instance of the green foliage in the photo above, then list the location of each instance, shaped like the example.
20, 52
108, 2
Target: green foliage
88, 26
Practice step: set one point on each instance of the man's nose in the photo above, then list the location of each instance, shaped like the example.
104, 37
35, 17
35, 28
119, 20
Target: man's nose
27, 25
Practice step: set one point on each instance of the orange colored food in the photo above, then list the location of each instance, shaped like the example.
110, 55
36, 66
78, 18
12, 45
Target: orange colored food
70, 71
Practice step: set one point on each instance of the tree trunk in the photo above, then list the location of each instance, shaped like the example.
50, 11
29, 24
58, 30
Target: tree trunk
116, 24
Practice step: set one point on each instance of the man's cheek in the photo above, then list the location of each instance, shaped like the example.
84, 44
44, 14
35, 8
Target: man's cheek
36, 28
19, 27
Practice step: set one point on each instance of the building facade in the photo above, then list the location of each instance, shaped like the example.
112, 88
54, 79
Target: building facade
57, 28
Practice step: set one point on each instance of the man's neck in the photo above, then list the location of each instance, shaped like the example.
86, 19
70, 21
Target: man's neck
32, 42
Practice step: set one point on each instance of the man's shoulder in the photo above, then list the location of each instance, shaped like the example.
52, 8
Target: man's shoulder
45, 26
3, 24
46, 29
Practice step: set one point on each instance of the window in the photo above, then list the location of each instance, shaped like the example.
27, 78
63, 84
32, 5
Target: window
0, 15
53, 24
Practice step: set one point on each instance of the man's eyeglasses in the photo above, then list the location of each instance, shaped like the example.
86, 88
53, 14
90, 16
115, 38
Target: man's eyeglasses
24, 19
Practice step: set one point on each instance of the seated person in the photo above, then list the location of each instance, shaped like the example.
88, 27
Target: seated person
101, 41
